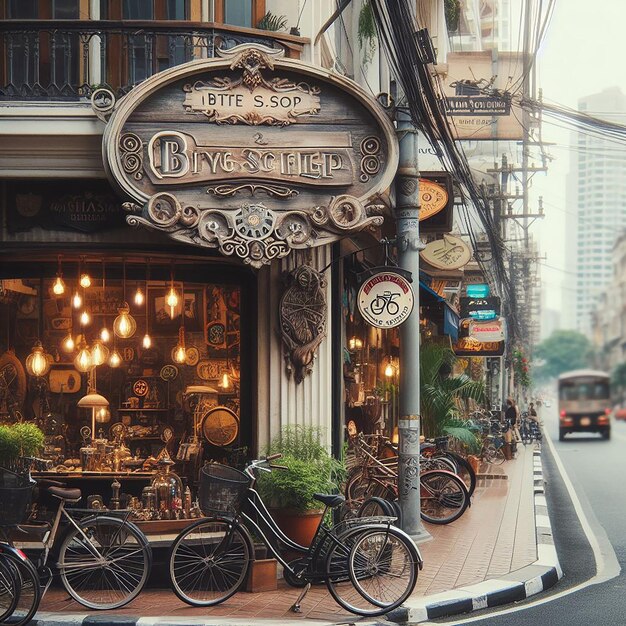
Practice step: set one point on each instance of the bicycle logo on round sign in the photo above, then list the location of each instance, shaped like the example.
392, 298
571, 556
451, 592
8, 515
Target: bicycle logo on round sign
385, 300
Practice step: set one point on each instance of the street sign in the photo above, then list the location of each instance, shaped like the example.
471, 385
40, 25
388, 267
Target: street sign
473, 307
385, 299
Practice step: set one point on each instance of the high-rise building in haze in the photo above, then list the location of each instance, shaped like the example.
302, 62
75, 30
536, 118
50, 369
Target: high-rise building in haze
597, 209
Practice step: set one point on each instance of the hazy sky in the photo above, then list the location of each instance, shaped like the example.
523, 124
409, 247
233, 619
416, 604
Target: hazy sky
584, 52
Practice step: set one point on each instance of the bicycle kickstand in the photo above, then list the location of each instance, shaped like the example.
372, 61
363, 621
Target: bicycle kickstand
295, 607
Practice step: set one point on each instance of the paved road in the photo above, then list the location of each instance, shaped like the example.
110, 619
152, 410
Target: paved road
597, 470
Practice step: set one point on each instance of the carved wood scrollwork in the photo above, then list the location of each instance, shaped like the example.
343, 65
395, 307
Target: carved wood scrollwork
302, 319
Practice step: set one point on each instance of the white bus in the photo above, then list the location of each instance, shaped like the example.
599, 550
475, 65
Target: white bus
584, 403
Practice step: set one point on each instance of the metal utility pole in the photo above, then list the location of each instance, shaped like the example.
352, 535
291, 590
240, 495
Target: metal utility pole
409, 246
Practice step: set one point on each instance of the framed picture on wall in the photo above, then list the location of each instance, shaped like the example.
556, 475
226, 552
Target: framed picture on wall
165, 320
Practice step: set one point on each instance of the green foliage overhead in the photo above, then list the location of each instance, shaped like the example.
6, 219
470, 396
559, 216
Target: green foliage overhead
272, 22
21, 439
562, 351
442, 395
366, 32
311, 469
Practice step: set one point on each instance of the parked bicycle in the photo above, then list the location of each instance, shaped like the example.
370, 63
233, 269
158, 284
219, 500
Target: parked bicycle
443, 495
529, 429
369, 566
103, 558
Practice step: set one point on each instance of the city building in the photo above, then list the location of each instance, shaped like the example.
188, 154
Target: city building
597, 209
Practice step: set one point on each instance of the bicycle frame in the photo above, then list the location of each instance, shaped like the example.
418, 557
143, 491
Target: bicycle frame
277, 538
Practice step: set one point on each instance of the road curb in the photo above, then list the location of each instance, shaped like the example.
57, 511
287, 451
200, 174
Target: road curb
544, 573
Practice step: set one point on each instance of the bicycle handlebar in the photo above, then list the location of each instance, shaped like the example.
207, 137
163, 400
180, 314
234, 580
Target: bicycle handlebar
271, 457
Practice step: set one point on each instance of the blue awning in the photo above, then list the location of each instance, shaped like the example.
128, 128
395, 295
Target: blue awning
431, 292
450, 322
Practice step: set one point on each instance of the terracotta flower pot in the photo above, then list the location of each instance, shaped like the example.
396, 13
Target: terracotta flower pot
298, 526
474, 461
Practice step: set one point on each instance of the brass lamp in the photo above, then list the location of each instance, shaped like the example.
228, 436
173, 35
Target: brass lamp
96, 403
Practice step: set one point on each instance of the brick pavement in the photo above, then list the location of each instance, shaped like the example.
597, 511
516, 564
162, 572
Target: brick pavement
494, 537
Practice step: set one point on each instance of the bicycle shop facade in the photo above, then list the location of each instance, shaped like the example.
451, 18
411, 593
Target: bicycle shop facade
194, 277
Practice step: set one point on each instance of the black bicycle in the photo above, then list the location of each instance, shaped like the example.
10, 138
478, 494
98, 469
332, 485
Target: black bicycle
369, 566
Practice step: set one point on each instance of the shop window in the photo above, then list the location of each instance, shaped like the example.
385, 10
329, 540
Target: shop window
191, 364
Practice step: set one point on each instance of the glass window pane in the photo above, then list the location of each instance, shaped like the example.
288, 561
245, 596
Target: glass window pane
23, 9
65, 10
176, 10
238, 12
138, 10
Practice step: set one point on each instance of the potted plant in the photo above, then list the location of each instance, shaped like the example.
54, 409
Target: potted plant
289, 493
19, 440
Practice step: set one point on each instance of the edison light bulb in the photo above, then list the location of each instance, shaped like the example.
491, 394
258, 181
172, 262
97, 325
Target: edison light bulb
139, 297
171, 300
389, 370
115, 360
124, 325
147, 341
58, 288
37, 363
85, 318
225, 384
77, 301
105, 335
85, 281
68, 343
99, 353
83, 360
179, 355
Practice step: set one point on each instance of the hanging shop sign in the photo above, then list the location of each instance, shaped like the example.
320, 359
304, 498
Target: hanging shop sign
449, 253
475, 95
433, 198
385, 300
480, 308
492, 330
251, 153
469, 346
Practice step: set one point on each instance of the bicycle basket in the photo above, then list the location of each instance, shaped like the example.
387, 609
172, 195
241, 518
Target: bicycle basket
15, 495
222, 489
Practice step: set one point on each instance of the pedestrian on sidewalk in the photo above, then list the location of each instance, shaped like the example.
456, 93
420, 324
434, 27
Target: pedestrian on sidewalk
512, 417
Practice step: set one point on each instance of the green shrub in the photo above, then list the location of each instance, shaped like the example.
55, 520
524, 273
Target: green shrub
21, 439
311, 469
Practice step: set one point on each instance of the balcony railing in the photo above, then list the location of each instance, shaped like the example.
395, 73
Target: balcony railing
68, 60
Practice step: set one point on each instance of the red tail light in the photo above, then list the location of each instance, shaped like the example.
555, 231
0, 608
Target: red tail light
607, 411
563, 413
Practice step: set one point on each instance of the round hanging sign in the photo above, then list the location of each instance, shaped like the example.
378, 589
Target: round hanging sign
385, 299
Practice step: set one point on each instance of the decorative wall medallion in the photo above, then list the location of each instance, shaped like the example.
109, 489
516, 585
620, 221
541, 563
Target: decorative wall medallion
141, 388
216, 334
169, 372
185, 147
192, 356
302, 319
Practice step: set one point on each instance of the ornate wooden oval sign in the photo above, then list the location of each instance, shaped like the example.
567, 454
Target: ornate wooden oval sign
251, 153
433, 198
449, 253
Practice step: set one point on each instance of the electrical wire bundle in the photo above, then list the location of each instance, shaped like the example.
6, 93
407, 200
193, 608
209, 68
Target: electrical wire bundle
424, 95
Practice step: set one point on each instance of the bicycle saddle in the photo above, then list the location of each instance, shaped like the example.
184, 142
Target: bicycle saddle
329, 499
64, 493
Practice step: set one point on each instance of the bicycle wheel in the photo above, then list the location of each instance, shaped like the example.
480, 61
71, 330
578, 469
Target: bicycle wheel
443, 495
375, 507
383, 566
209, 561
496, 456
105, 562
29, 590
10, 584
338, 578
464, 471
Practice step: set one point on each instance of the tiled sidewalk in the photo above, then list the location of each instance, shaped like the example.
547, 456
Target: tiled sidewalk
494, 537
